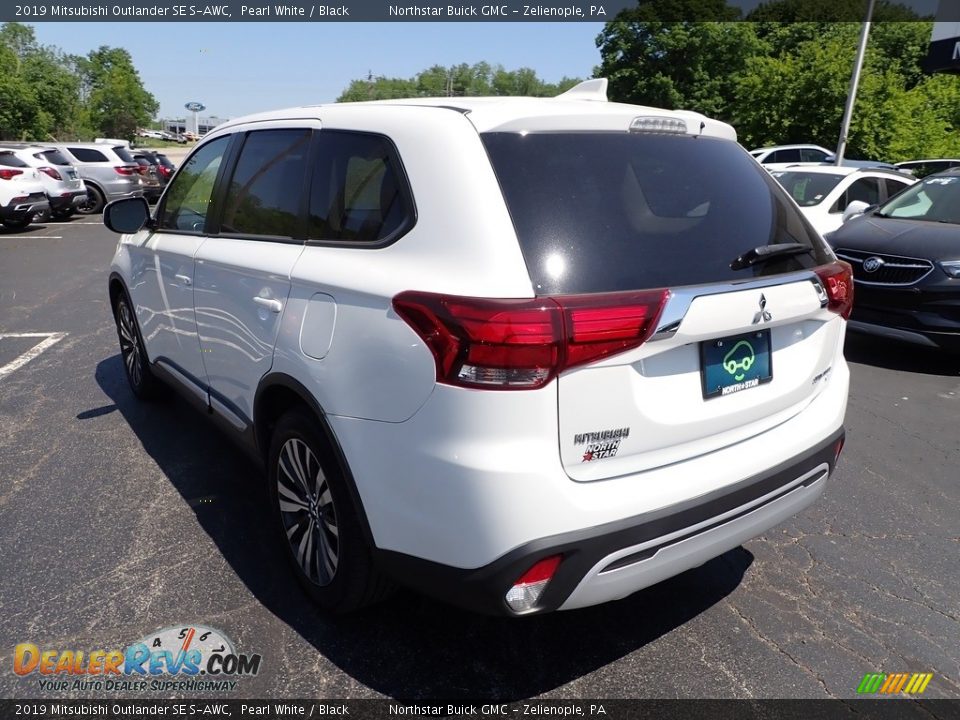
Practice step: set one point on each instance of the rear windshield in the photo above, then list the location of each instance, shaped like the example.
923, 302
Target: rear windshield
807, 188
11, 160
165, 161
54, 157
123, 154
597, 212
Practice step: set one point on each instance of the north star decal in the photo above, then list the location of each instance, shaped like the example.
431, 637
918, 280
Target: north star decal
599, 451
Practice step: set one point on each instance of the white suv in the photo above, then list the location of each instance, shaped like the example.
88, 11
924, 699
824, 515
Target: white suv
520, 354
22, 197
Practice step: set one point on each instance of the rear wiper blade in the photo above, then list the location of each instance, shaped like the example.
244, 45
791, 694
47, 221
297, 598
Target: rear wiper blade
769, 252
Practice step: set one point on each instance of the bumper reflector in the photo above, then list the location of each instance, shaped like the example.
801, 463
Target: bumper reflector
526, 591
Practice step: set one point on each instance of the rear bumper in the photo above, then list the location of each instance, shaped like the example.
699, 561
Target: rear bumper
614, 560
24, 209
68, 200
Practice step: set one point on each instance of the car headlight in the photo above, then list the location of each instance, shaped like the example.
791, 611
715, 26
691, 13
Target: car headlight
951, 268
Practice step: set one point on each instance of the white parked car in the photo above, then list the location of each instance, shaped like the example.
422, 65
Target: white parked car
22, 197
823, 193
61, 182
783, 156
520, 354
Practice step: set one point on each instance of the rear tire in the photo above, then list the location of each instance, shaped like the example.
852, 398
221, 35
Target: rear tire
143, 382
94, 204
316, 520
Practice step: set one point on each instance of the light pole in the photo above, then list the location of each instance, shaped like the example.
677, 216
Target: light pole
854, 83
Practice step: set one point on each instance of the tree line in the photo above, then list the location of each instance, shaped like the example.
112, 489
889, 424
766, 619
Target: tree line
48, 95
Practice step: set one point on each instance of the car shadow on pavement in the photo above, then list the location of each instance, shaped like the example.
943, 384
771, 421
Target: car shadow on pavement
902, 357
407, 647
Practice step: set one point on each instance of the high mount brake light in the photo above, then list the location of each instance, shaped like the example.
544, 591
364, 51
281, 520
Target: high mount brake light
837, 281
523, 344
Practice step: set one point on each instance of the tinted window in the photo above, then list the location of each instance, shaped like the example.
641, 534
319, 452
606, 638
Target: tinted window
599, 212
807, 188
165, 161
264, 194
863, 190
88, 155
784, 156
810, 155
123, 154
895, 186
187, 201
11, 160
357, 193
54, 157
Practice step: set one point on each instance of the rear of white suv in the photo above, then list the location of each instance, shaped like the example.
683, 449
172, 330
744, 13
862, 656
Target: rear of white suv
22, 197
523, 355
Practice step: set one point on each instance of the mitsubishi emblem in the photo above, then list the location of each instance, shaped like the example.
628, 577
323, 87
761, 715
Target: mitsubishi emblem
764, 315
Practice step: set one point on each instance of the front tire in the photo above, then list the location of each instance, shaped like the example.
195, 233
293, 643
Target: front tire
316, 519
143, 382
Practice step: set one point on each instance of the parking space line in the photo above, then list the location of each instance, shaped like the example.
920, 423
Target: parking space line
50, 339
42, 237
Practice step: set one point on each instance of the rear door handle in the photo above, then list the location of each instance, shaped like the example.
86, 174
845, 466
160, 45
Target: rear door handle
270, 304
185, 279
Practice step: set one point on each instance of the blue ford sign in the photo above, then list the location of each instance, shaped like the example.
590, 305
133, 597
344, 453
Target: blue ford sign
195, 107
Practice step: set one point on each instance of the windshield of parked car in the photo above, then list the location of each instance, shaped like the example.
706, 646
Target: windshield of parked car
807, 188
934, 199
605, 211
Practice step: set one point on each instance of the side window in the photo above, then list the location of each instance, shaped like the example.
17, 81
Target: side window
785, 156
865, 190
811, 155
895, 186
188, 197
358, 192
263, 197
88, 154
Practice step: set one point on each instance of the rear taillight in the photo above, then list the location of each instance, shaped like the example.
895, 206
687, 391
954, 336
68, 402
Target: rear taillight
529, 587
523, 344
8, 173
164, 170
125, 169
51, 172
837, 281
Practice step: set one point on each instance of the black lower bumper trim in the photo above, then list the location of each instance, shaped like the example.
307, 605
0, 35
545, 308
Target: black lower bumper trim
483, 589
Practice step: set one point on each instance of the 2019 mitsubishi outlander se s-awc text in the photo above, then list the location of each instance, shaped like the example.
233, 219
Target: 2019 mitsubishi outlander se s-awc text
519, 354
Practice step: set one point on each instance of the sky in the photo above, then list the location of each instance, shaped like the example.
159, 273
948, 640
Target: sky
239, 68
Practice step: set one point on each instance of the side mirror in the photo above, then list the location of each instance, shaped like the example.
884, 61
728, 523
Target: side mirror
128, 215
857, 207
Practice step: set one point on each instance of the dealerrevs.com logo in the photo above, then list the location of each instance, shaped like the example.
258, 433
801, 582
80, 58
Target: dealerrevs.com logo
186, 658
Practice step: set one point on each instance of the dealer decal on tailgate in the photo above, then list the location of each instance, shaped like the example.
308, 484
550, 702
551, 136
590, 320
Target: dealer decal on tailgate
601, 444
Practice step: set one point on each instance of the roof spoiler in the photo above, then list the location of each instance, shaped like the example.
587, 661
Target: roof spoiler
595, 90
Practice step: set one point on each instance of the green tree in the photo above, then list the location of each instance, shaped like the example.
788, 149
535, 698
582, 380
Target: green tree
463, 80
117, 102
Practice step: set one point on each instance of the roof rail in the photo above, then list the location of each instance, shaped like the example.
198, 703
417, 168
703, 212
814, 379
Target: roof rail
587, 90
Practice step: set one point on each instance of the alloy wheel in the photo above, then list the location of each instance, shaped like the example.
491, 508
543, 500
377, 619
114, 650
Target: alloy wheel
129, 345
307, 512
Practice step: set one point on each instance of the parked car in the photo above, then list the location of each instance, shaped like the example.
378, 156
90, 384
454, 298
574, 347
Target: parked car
64, 189
150, 180
535, 354
782, 156
108, 171
153, 134
165, 167
906, 264
922, 168
22, 197
823, 193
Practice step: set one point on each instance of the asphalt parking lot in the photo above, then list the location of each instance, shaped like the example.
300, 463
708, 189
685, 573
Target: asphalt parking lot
117, 519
